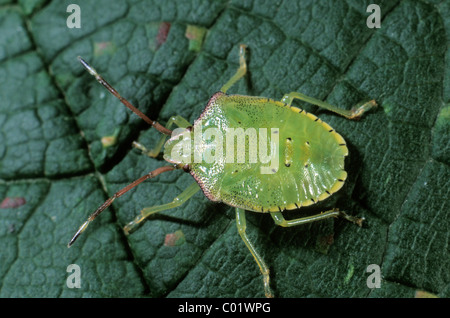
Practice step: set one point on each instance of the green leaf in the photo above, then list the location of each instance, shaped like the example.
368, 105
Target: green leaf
55, 170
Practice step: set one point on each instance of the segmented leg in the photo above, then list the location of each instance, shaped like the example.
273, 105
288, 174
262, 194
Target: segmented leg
281, 221
146, 212
240, 72
354, 113
241, 226
154, 152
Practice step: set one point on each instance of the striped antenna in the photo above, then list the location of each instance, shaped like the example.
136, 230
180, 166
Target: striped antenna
119, 193
111, 89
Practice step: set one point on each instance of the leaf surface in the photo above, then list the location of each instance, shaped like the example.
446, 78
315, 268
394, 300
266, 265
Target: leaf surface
53, 116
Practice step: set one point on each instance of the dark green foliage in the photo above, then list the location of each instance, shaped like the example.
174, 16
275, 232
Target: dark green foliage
53, 115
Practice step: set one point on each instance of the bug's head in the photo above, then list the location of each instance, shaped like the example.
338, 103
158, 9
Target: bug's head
179, 149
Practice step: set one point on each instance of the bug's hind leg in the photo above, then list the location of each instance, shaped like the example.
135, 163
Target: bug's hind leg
154, 152
240, 72
355, 113
146, 212
281, 221
241, 226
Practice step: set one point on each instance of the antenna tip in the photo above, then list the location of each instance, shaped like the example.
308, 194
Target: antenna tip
80, 230
73, 239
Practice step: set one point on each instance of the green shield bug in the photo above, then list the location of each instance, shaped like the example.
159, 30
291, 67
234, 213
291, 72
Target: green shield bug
220, 150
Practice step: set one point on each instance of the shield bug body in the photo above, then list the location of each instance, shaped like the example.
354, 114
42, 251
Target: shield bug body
233, 160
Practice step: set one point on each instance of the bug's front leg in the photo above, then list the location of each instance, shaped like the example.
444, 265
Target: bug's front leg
241, 225
154, 152
146, 212
242, 70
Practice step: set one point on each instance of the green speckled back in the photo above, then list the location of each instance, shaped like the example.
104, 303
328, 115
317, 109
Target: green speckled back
308, 165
